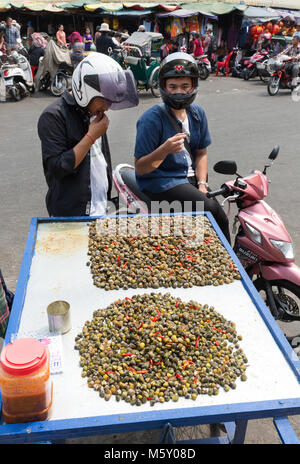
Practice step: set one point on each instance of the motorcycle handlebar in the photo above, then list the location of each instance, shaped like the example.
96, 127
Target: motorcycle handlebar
215, 193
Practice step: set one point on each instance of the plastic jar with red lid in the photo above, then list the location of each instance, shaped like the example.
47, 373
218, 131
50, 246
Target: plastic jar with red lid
25, 383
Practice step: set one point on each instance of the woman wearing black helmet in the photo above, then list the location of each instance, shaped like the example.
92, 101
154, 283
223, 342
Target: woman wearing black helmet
171, 160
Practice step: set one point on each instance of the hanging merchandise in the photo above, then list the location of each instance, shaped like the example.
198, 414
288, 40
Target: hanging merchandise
115, 24
176, 27
156, 28
192, 24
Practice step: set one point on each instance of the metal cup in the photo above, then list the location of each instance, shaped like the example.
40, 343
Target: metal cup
59, 317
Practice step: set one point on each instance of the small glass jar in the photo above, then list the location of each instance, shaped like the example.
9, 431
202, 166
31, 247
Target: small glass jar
26, 387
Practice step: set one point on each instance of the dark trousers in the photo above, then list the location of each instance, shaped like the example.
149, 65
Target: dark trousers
292, 69
188, 195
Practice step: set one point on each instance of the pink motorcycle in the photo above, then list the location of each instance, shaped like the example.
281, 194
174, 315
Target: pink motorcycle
262, 244
204, 66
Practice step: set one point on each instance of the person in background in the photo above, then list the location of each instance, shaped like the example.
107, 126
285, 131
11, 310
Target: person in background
97, 34
207, 40
141, 28
12, 34
30, 29
61, 36
2, 42
37, 48
197, 46
87, 39
74, 36
117, 39
297, 33
105, 42
77, 52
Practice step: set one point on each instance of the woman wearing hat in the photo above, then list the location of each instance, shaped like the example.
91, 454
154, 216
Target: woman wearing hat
104, 41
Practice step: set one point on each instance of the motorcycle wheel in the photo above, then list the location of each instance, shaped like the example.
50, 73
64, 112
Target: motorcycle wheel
154, 83
203, 72
15, 93
59, 85
264, 79
273, 86
246, 74
283, 291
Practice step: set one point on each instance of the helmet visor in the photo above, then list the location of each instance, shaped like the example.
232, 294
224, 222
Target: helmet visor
118, 88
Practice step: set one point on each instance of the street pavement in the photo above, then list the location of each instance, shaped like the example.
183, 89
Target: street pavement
245, 124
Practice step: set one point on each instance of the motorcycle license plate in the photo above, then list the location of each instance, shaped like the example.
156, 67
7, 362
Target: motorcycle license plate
9, 81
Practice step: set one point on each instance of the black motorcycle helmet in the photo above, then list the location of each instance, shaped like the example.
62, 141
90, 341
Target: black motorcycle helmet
178, 64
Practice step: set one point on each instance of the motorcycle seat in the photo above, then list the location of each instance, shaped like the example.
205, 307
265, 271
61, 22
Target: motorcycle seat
128, 176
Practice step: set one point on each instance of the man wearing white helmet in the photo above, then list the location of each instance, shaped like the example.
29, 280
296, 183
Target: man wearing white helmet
75, 151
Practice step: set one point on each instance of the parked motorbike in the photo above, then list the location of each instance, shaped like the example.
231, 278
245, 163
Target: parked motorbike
15, 72
253, 68
262, 242
59, 84
204, 66
280, 79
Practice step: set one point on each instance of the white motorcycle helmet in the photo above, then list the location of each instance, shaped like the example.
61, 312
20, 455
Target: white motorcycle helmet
99, 75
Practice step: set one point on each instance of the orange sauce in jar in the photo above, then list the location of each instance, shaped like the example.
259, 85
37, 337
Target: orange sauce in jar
26, 388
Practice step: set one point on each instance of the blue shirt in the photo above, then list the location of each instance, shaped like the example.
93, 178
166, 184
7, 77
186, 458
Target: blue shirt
11, 36
153, 129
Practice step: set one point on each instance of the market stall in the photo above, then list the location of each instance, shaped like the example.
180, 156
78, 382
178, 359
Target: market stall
55, 267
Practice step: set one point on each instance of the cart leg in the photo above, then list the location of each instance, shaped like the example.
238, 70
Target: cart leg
285, 431
236, 435
167, 436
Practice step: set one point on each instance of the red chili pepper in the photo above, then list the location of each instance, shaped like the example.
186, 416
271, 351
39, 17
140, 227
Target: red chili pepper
196, 344
127, 317
109, 372
170, 343
151, 363
129, 299
195, 379
119, 261
187, 345
133, 238
128, 354
169, 250
158, 313
158, 363
131, 369
155, 319
208, 240
171, 273
217, 344
141, 372
106, 247
178, 376
141, 326
186, 363
124, 265
219, 330
160, 336
177, 303
149, 399
157, 247
149, 267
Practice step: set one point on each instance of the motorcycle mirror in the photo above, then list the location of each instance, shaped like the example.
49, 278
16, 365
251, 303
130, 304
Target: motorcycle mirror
274, 153
226, 167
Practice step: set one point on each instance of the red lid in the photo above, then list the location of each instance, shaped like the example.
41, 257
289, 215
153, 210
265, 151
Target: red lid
23, 356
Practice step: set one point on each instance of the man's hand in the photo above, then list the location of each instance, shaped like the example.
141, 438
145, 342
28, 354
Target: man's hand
98, 126
202, 188
175, 144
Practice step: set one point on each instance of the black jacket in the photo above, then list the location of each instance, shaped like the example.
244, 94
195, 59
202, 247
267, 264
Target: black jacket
60, 127
104, 42
34, 54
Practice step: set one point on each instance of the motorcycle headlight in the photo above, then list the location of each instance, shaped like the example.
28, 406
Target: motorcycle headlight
286, 248
255, 235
